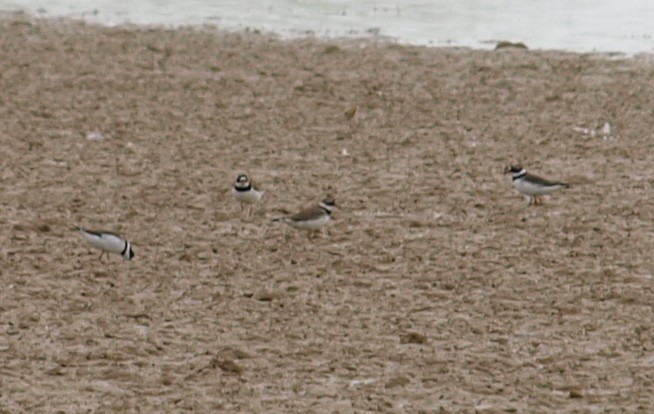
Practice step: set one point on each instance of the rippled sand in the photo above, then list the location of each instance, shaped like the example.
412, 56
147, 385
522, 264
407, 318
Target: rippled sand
435, 290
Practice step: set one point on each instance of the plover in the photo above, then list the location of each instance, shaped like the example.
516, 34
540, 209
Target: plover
107, 242
245, 192
531, 185
312, 218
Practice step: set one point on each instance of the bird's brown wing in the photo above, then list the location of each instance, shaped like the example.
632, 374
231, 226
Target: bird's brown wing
99, 233
544, 182
310, 213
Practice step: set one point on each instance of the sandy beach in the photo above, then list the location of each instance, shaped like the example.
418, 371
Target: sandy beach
435, 289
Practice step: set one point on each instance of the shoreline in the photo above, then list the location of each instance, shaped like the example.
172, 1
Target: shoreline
361, 37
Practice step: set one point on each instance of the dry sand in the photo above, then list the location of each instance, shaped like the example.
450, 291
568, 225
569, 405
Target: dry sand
435, 290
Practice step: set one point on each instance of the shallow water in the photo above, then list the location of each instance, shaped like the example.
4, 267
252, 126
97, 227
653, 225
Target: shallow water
574, 25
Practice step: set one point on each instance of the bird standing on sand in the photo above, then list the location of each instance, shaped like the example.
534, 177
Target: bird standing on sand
246, 192
313, 218
107, 242
531, 185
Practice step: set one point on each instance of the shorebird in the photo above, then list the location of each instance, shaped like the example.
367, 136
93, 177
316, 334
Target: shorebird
246, 192
531, 185
313, 218
107, 242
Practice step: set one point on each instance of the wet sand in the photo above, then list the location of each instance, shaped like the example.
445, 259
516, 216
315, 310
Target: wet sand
434, 290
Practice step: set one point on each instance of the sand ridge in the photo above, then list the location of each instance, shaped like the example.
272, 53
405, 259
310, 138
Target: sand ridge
434, 290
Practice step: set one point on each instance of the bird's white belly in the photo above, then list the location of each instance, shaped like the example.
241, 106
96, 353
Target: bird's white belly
533, 189
314, 224
107, 243
247, 197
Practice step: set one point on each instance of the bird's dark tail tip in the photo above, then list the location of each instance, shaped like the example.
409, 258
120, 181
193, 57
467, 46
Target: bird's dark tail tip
76, 228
